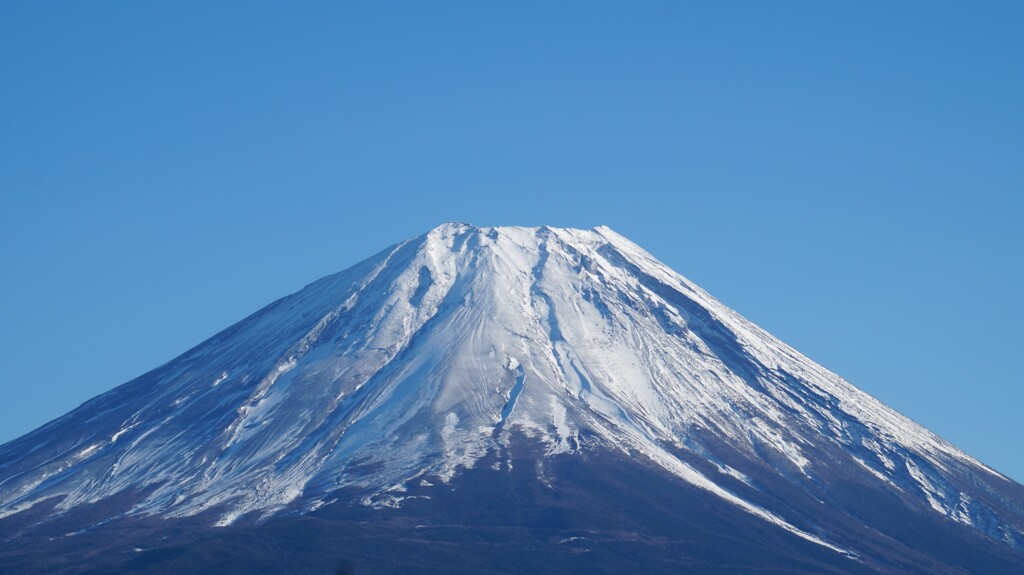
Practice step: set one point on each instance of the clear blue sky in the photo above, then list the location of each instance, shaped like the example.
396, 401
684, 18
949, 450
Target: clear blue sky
846, 174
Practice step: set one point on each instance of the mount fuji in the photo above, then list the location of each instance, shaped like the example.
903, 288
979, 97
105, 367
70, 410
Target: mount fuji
497, 400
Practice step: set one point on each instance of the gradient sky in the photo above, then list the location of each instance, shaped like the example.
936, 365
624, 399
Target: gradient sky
848, 175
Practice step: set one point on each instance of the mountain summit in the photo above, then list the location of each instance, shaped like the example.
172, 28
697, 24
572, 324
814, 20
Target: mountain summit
453, 361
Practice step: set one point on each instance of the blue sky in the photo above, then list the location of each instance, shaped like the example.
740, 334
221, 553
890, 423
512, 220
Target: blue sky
847, 175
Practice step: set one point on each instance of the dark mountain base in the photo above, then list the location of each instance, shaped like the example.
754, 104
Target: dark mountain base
601, 515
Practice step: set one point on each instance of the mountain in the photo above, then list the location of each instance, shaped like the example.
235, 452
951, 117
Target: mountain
494, 390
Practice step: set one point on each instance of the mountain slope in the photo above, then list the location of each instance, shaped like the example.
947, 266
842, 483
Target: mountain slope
447, 354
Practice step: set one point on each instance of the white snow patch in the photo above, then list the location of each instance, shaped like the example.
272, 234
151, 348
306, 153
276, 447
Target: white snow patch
929, 490
123, 430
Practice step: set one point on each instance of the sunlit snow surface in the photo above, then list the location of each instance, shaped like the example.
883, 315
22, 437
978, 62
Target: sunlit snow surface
420, 361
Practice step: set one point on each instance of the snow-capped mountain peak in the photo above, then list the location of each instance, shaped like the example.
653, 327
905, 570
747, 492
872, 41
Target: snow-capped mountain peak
452, 348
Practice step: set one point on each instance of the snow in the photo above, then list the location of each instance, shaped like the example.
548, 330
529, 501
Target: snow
929, 490
418, 362
122, 431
